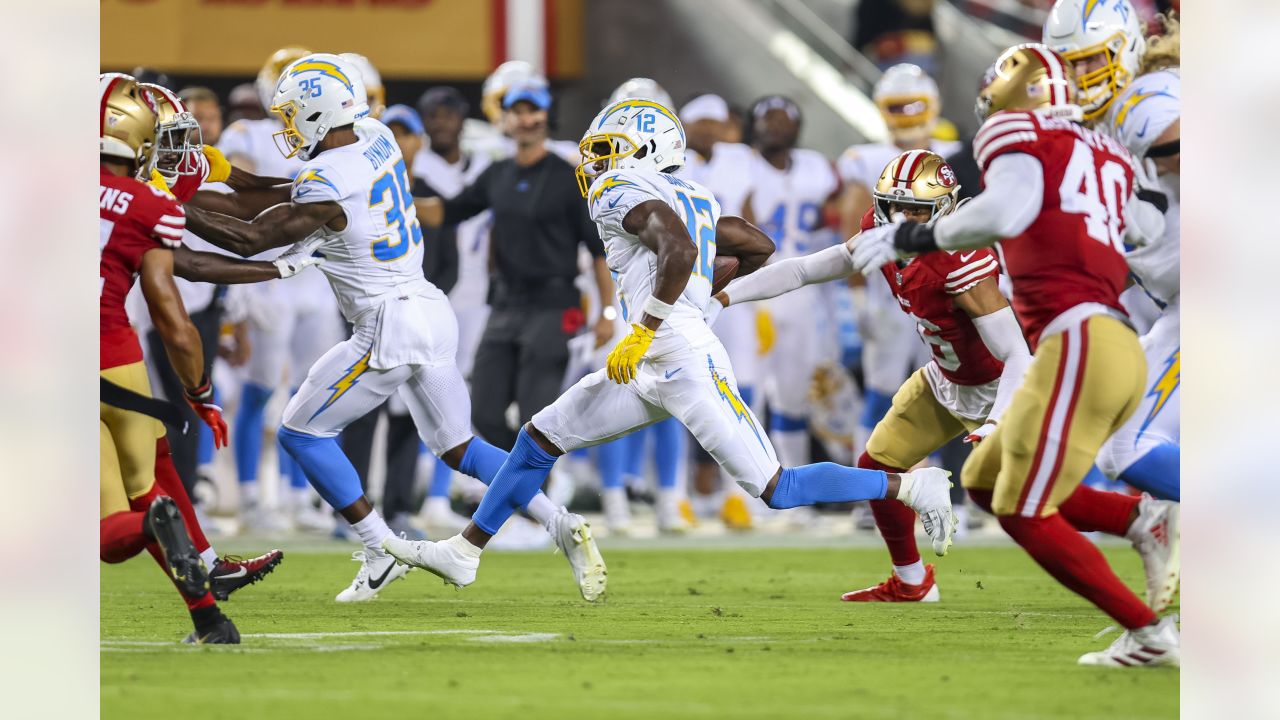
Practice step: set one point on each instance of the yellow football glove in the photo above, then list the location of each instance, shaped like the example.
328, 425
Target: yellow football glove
219, 168
621, 365
766, 334
157, 181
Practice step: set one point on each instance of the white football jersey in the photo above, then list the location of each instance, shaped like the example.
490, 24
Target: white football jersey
611, 197
727, 174
380, 249
253, 139
863, 164
787, 204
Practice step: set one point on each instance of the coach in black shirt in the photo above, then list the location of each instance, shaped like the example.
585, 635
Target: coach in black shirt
539, 222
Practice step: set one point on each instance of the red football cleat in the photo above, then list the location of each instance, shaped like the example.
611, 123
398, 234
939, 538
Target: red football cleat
894, 590
231, 573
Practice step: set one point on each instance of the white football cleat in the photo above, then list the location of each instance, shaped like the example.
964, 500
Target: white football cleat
1155, 535
375, 573
617, 510
671, 521
454, 560
573, 538
1149, 646
929, 495
438, 515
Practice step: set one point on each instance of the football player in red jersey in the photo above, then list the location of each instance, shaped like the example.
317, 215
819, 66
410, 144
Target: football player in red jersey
140, 228
1061, 201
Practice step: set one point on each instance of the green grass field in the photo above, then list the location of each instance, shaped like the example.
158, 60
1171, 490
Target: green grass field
716, 633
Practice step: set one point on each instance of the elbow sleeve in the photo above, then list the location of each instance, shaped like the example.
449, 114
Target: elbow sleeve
1001, 334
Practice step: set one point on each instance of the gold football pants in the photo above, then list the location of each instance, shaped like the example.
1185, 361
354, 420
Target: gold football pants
915, 426
1082, 385
126, 444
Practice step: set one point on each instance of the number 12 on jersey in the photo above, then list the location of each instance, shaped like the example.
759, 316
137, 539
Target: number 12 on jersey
702, 230
399, 209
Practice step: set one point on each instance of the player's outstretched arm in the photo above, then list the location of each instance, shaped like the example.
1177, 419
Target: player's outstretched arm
1002, 335
738, 237
210, 267
1010, 203
784, 276
278, 226
244, 204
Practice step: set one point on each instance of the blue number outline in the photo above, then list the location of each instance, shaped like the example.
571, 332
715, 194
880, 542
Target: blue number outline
703, 234
395, 181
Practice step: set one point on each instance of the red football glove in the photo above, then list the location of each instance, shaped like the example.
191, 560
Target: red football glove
201, 400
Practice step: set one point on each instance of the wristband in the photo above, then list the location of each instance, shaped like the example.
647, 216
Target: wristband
912, 238
202, 392
609, 313
655, 307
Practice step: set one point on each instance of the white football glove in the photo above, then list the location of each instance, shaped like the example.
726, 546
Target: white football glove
299, 257
873, 248
977, 435
712, 311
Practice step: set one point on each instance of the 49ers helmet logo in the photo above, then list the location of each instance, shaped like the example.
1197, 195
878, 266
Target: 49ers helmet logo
946, 176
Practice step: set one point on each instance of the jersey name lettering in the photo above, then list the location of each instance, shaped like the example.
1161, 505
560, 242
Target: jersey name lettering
114, 200
379, 152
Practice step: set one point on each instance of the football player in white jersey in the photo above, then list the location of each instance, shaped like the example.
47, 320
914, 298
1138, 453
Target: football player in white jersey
1130, 88
289, 326
661, 234
352, 201
789, 188
909, 103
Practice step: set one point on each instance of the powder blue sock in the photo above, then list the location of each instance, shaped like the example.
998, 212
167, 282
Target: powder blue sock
1158, 472
246, 435
610, 458
291, 469
482, 461
668, 448
518, 481
827, 483
440, 479
328, 468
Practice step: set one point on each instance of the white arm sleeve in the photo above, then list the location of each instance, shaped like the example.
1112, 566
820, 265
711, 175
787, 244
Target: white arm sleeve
1143, 222
787, 275
1010, 203
1003, 337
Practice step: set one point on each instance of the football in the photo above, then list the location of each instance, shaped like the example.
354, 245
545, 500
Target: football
726, 269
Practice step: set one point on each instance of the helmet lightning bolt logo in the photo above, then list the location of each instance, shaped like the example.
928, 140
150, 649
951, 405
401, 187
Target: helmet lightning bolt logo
735, 403
346, 382
324, 67
1163, 388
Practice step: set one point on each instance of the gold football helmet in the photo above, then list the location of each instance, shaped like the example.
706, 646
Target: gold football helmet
918, 179
269, 75
1029, 77
179, 143
126, 121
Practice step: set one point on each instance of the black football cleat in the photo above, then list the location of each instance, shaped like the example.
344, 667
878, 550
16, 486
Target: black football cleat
230, 573
221, 631
163, 522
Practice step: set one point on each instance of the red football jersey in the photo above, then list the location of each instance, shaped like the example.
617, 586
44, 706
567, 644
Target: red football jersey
135, 218
1073, 252
925, 287
187, 185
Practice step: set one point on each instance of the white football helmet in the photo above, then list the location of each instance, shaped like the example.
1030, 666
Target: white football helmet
640, 87
634, 133
908, 101
179, 143
1081, 29
315, 95
508, 74
376, 94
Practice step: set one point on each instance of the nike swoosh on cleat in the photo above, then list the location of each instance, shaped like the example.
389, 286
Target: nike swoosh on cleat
671, 373
239, 573
375, 584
